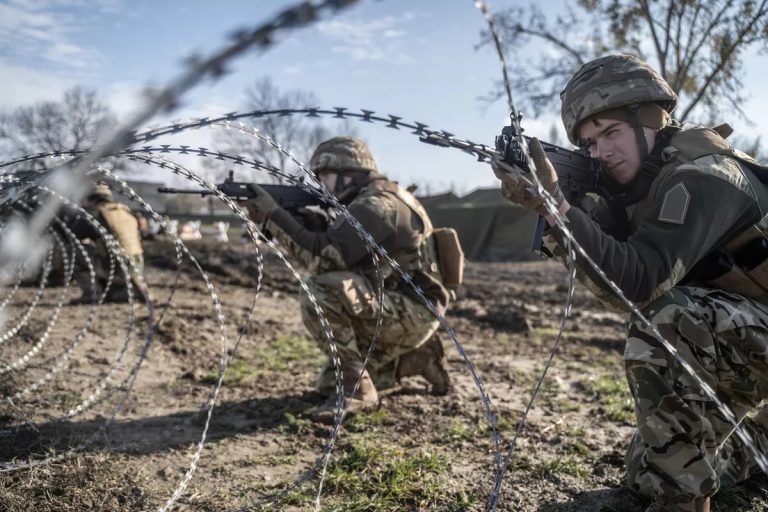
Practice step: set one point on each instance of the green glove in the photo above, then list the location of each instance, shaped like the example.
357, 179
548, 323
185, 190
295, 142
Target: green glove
518, 185
262, 206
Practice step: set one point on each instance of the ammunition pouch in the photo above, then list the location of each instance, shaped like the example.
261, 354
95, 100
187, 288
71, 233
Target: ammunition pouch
742, 267
450, 257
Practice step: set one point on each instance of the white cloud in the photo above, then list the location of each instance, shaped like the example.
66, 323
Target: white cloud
29, 86
46, 30
360, 52
381, 39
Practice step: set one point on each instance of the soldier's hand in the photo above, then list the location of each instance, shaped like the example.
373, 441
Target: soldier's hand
261, 206
518, 186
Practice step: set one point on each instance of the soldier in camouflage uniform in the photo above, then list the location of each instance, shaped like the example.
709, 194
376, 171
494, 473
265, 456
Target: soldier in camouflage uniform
678, 223
343, 279
122, 224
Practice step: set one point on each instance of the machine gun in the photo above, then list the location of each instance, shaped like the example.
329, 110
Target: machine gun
577, 173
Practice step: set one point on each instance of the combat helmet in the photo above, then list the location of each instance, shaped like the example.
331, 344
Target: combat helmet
610, 83
342, 154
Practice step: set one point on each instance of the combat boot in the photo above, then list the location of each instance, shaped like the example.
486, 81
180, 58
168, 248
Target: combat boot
427, 361
366, 397
662, 505
88, 295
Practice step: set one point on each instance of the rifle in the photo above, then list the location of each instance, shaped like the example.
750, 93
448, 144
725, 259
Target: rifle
289, 197
576, 172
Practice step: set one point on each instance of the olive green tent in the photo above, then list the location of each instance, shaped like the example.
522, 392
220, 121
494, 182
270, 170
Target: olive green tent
490, 227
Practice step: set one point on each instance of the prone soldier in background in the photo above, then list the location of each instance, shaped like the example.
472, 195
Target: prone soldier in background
343, 279
123, 226
678, 222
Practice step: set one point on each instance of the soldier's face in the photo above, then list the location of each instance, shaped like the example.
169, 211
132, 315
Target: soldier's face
328, 179
614, 145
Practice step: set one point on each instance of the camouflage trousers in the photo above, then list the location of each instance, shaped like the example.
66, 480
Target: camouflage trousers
100, 261
348, 301
684, 447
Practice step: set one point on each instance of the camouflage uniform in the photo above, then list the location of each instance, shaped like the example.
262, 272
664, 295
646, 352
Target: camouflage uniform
123, 225
685, 211
343, 280
684, 447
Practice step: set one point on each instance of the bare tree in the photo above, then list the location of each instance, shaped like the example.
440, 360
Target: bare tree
295, 132
697, 46
74, 122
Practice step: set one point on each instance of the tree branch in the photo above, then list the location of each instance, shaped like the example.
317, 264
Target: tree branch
725, 58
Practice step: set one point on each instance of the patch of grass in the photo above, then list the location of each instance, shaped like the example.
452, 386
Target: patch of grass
238, 372
84, 482
578, 447
367, 420
459, 431
522, 377
574, 431
295, 425
546, 332
613, 393
285, 351
520, 462
279, 355
67, 399
373, 476
566, 405
560, 465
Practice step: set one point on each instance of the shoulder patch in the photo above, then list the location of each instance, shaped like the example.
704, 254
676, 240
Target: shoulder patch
674, 208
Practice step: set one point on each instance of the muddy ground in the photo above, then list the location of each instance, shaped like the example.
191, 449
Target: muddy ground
417, 452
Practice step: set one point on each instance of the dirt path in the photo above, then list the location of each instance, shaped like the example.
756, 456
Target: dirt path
417, 452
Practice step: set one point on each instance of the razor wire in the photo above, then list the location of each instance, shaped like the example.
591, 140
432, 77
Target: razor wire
61, 361
368, 240
12, 292
253, 232
20, 362
22, 321
369, 116
187, 477
209, 406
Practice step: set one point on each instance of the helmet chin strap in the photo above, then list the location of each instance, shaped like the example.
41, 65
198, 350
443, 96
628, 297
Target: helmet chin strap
642, 143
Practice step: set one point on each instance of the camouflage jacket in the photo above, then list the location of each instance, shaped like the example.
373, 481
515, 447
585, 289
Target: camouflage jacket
380, 208
700, 200
118, 220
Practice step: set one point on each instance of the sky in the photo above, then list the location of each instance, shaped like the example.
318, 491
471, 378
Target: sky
417, 59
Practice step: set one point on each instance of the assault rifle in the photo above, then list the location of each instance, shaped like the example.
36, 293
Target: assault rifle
289, 197
576, 172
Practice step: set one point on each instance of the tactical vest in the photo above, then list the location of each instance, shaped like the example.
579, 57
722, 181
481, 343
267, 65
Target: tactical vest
436, 251
741, 265
123, 225
411, 252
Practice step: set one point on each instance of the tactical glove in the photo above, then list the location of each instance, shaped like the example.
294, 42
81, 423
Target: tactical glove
518, 185
262, 206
